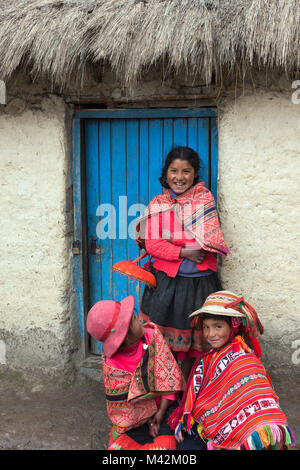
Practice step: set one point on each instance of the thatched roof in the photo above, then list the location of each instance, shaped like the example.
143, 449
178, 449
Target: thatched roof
58, 39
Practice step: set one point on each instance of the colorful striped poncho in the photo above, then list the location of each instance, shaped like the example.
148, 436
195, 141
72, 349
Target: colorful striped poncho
231, 398
196, 211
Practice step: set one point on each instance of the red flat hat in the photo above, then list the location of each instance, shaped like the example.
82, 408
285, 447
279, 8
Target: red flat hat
108, 321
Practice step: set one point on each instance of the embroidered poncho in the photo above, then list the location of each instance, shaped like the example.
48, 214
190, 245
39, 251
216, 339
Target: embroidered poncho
156, 374
231, 398
196, 211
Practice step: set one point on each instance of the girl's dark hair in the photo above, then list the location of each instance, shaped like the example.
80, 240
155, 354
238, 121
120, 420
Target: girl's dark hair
181, 153
209, 316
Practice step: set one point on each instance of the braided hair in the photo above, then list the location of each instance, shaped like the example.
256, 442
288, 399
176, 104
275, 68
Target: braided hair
181, 153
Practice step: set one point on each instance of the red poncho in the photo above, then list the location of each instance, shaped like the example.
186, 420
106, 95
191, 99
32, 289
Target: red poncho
196, 211
231, 398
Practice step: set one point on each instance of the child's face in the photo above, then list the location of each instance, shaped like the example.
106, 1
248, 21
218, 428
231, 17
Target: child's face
180, 175
136, 329
216, 332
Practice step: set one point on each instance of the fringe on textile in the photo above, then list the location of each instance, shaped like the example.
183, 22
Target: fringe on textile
264, 438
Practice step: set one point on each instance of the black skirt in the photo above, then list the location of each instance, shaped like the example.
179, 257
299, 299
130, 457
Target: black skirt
172, 301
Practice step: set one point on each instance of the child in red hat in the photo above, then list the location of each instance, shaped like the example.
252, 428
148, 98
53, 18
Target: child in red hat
141, 377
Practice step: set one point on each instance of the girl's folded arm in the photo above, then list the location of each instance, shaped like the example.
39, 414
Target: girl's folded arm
163, 249
156, 245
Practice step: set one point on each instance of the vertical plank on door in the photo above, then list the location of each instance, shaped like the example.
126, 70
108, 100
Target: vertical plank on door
214, 157
132, 150
144, 162
119, 188
78, 196
192, 134
155, 156
168, 138
144, 165
203, 149
105, 201
93, 201
180, 132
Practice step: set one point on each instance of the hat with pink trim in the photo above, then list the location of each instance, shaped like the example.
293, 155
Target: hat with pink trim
229, 304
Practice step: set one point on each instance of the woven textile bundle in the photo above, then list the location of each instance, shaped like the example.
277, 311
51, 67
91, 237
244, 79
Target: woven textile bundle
231, 401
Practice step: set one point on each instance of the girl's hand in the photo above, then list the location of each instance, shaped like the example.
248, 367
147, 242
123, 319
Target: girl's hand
193, 255
155, 422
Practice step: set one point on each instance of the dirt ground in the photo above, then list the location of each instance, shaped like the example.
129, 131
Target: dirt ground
50, 413
44, 413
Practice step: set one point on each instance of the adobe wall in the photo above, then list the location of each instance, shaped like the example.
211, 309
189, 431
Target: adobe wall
258, 196
35, 290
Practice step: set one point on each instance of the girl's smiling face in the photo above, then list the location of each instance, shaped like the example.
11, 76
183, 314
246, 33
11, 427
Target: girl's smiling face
216, 332
180, 176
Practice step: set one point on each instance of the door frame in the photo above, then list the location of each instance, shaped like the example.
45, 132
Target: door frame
80, 259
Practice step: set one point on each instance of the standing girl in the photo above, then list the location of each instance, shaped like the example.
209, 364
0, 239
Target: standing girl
180, 230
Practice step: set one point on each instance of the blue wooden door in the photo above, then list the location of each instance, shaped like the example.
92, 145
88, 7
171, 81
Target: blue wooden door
124, 154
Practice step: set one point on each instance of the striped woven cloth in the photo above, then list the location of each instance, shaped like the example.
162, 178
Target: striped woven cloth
232, 400
196, 210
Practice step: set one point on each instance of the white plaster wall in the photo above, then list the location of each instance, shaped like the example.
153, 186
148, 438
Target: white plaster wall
34, 262
259, 180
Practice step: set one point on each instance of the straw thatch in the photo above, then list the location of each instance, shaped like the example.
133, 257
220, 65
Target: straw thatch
58, 39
